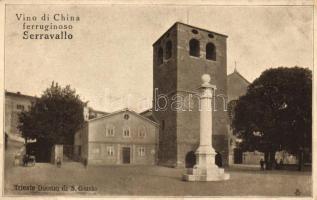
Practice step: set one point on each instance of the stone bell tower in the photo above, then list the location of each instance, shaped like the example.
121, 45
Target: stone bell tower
180, 57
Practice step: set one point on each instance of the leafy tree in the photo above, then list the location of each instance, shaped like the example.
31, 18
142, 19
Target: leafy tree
276, 113
231, 106
54, 117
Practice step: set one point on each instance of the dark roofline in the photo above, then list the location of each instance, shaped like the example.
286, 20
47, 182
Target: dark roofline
98, 111
124, 110
202, 29
164, 33
236, 72
150, 110
145, 111
195, 27
102, 112
17, 94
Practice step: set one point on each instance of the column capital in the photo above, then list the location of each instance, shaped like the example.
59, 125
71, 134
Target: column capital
205, 78
208, 85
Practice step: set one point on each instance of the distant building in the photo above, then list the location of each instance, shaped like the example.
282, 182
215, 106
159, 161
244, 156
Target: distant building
96, 113
122, 137
252, 158
90, 113
237, 86
149, 114
15, 103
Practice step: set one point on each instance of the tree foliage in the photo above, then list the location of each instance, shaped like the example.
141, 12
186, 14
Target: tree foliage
54, 117
276, 112
231, 106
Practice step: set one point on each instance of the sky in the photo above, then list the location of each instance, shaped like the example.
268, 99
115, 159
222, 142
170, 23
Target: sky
109, 60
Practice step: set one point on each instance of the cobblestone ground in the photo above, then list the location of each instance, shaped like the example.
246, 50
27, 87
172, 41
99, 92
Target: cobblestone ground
148, 181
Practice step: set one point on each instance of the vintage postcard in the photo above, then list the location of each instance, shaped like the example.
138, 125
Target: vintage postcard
157, 99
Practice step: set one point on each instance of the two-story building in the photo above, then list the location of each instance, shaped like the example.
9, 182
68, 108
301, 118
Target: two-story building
122, 137
15, 103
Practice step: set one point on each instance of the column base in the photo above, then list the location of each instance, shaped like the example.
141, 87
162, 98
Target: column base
205, 169
201, 173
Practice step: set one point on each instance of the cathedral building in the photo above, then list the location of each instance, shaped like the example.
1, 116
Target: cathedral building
237, 87
180, 57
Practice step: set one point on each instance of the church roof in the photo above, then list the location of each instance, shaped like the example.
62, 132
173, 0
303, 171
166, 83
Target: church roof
237, 85
236, 73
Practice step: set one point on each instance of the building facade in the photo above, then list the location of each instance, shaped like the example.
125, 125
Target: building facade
15, 103
180, 57
122, 137
237, 86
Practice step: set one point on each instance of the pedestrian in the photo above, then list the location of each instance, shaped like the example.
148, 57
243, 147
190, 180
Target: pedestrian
262, 164
276, 166
58, 162
25, 160
281, 163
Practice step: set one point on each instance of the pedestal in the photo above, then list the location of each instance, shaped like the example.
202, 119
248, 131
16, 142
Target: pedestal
205, 169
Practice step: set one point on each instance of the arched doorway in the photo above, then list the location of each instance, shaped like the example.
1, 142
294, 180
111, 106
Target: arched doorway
190, 159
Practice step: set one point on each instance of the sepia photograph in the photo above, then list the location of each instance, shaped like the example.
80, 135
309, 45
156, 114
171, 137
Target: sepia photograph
164, 99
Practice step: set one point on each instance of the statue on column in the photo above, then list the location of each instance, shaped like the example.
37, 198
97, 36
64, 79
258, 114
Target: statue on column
205, 168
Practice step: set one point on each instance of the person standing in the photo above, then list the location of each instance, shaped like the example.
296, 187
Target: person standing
262, 164
25, 160
281, 163
59, 162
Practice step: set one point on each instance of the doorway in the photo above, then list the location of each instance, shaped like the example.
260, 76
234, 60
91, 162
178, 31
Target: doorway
126, 155
237, 156
190, 159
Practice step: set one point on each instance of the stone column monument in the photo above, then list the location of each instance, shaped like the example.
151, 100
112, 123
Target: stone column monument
205, 168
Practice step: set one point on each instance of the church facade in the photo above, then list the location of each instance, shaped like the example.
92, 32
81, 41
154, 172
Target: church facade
237, 86
180, 57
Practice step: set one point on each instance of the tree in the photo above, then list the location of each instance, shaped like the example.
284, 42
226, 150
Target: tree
54, 117
276, 113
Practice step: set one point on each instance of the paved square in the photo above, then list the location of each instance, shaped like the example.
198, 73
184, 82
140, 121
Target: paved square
155, 181
150, 180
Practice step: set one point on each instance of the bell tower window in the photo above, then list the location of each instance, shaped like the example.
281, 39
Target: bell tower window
194, 49
210, 51
168, 49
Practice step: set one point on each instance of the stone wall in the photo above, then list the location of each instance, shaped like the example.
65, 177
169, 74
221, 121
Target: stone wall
81, 144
